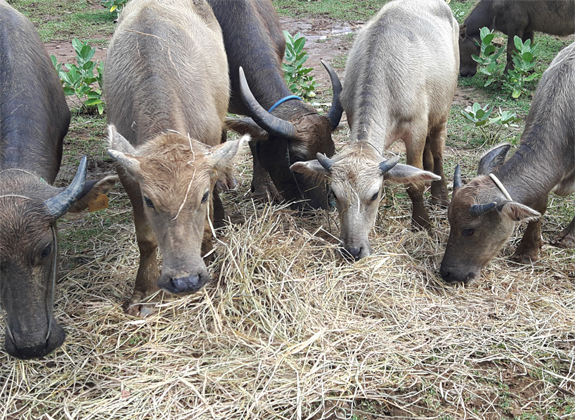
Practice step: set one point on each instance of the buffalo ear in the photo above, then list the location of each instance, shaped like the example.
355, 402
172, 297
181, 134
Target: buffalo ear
519, 212
122, 151
309, 168
246, 126
93, 196
118, 142
130, 163
406, 174
492, 159
221, 156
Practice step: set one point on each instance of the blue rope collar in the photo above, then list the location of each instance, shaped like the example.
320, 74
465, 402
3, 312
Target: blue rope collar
282, 100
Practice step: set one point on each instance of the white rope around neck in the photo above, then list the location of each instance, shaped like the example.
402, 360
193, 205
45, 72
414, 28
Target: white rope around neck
500, 186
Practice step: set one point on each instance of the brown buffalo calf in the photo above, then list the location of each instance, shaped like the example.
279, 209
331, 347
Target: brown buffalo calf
166, 83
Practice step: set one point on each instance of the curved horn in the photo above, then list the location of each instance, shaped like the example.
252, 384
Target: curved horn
493, 158
388, 164
61, 203
479, 209
336, 109
324, 161
263, 118
457, 178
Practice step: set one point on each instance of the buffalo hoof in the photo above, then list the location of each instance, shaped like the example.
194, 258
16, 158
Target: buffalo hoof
141, 305
420, 223
442, 202
439, 196
525, 256
266, 192
564, 239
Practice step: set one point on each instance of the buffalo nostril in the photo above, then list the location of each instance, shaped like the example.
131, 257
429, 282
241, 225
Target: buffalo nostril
186, 284
353, 252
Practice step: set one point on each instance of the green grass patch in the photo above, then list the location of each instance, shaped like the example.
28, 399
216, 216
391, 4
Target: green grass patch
64, 20
336, 9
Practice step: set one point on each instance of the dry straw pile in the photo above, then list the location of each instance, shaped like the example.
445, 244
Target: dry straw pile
289, 330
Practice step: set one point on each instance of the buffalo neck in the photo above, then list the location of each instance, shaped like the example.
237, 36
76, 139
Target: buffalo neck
372, 124
535, 169
479, 17
253, 40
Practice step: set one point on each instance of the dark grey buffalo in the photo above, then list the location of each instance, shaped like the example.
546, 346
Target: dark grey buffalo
512, 17
290, 132
166, 84
400, 80
34, 119
483, 213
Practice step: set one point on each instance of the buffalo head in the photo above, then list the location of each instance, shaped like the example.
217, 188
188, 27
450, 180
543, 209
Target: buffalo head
481, 218
176, 177
357, 175
29, 210
468, 46
293, 132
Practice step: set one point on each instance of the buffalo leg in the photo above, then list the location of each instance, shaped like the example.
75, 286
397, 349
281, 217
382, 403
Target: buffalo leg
528, 249
218, 209
436, 144
565, 238
511, 45
262, 186
148, 271
415, 146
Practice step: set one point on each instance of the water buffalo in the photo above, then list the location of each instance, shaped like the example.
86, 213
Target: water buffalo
484, 211
34, 119
287, 129
399, 83
167, 90
512, 17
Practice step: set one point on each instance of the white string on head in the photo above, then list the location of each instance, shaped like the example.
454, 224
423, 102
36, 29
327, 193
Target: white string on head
19, 170
500, 186
16, 196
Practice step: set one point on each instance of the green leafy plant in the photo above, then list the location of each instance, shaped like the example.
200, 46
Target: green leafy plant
78, 80
114, 5
488, 56
296, 75
482, 119
523, 62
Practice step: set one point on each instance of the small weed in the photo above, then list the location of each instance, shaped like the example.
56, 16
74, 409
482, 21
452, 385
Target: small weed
523, 60
488, 56
523, 63
481, 118
78, 80
296, 75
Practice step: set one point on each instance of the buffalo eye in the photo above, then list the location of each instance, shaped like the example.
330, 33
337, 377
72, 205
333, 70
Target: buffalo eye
205, 197
332, 194
374, 197
148, 202
467, 232
47, 251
